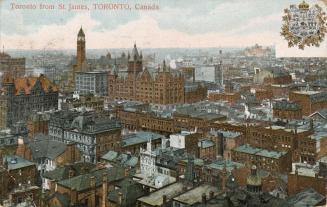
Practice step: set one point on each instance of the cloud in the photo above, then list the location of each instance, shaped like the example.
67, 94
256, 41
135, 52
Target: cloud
196, 27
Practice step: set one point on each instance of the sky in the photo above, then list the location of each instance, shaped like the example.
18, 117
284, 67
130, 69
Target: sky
176, 24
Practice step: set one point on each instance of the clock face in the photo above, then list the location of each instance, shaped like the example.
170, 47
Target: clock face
80, 38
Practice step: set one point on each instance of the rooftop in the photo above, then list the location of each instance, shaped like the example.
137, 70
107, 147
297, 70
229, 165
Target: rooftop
155, 198
16, 162
307, 197
259, 151
195, 195
139, 138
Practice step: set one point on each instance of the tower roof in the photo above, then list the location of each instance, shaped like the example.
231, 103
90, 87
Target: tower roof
135, 54
81, 33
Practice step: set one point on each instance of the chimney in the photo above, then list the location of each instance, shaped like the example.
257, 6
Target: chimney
164, 201
93, 187
104, 190
211, 194
71, 173
73, 197
126, 172
120, 198
204, 198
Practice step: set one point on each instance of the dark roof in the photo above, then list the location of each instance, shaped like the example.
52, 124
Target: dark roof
16, 162
62, 198
307, 197
81, 33
130, 190
83, 182
62, 173
43, 147
285, 105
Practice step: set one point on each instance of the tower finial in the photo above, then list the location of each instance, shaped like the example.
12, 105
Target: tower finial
134, 44
3, 49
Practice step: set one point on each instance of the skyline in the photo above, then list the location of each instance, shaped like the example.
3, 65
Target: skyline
259, 23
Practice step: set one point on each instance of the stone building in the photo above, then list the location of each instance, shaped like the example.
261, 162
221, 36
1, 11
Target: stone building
94, 82
94, 136
23, 95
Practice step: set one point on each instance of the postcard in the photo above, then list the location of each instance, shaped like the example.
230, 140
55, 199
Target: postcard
163, 103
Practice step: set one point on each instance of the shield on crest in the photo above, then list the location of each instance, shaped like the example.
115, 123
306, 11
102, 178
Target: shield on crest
304, 25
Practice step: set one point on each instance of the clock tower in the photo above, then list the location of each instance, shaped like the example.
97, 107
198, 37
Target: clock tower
80, 48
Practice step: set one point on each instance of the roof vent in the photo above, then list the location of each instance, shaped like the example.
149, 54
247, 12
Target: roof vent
13, 161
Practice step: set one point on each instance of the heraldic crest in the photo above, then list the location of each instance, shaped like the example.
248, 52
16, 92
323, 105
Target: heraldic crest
304, 25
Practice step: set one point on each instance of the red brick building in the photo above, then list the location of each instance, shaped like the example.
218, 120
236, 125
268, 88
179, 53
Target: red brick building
269, 160
162, 86
230, 97
310, 101
262, 94
287, 110
298, 182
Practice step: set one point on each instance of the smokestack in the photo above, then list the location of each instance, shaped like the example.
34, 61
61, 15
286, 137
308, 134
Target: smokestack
204, 198
211, 194
73, 197
164, 201
120, 198
104, 190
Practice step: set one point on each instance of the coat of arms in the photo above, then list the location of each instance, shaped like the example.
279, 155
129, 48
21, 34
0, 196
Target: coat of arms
304, 25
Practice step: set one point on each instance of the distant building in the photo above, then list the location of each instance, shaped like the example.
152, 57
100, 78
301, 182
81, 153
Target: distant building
259, 51
91, 83
12, 66
24, 95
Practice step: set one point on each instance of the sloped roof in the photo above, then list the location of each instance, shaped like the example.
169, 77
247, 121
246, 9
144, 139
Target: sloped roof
83, 182
16, 162
43, 147
26, 84
62, 173
131, 191
81, 32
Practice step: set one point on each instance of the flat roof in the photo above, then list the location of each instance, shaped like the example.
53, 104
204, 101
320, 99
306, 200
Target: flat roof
139, 138
307, 92
155, 198
195, 195
259, 151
